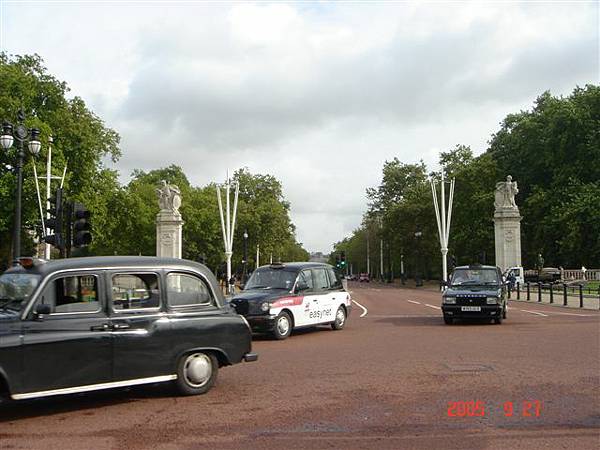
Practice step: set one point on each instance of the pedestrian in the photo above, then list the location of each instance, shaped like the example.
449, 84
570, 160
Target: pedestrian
512, 279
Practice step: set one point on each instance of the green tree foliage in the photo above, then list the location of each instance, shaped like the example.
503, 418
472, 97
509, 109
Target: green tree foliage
80, 140
552, 152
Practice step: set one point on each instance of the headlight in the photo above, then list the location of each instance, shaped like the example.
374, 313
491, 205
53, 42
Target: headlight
449, 300
265, 306
492, 301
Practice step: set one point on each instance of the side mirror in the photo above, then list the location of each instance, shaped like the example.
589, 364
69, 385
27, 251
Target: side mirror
41, 310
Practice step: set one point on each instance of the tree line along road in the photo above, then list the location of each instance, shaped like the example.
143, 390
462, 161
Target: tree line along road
395, 378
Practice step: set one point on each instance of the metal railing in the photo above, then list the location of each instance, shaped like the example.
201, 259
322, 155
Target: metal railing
572, 294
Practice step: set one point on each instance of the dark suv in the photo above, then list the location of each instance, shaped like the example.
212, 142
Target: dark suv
83, 324
281, 297
475, 291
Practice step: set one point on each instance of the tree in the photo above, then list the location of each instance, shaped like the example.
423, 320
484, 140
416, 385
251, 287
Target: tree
81, 141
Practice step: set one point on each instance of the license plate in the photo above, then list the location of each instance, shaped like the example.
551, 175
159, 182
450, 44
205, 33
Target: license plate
470, 308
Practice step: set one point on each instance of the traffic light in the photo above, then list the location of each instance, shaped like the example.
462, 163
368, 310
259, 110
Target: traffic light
343, 259
82, 234
56, 221
337, 261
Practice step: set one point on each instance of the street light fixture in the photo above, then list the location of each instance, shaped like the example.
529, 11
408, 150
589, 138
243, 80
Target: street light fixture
21, 134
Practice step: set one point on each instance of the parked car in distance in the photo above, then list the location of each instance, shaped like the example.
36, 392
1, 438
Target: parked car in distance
544, 275
364, 277
281, 297
475, 291
84, 324
351, 277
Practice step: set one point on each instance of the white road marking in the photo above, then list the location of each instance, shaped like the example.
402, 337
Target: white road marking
534, 312
432, 306
365, 311
570, 314
412, 301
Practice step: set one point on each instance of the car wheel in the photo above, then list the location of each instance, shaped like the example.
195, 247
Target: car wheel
448, 320
340, 319
196, 373
283, 326
498, 319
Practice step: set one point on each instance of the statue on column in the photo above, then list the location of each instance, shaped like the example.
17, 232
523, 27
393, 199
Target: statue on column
169, 197
504, 196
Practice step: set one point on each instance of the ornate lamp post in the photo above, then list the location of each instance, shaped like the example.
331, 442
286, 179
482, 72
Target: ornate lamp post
21, 134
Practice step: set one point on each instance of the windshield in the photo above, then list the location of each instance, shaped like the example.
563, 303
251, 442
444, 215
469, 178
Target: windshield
15, 288
474, 277
267, 278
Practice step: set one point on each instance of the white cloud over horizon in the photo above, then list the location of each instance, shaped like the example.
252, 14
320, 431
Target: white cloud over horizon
318, 94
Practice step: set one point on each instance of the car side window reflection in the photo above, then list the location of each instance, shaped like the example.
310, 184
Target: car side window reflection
306, 277
135, 291
334, 280
321, 282
72, 294
187, 290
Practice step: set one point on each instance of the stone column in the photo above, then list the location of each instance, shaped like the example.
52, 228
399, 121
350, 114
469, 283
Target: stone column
168, 234
168, 222
507, 225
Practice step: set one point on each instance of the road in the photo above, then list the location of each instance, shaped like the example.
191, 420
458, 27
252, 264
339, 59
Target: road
385, 381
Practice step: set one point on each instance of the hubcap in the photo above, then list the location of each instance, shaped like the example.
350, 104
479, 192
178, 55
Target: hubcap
283, 325
197, 369
340, 317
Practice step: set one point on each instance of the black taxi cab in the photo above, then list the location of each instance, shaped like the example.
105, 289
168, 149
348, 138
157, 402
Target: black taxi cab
281, 297
83, 324
475, 291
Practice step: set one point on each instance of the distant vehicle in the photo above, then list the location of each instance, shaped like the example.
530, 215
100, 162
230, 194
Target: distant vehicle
352, 277
475, 291
364, 277
83, 324
518, 273
545, 275
281, 297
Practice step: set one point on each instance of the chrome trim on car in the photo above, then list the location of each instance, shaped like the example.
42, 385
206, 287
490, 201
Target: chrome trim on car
94, 387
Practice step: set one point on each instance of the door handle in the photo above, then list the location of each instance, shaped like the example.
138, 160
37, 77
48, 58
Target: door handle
102, 327
120, 326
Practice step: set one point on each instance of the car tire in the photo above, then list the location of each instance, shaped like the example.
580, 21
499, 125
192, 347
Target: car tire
498, 320
283, 326
448, 320
196, 373
340, 319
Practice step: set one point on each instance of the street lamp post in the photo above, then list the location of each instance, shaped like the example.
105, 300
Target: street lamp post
228, 224
418, 279
21, 134
245, 260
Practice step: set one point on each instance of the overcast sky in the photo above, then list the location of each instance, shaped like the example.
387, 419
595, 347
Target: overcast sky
318, 94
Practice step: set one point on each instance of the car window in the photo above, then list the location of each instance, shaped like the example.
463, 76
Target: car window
135, 291
320, 278
269, 278
72, 294
334, 280
187, 290
306, 277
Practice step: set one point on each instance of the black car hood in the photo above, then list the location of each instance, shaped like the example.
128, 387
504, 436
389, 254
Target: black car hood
9, 315
256, 295
475, 291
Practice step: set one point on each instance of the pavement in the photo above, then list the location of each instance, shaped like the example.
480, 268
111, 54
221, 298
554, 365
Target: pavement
397, 377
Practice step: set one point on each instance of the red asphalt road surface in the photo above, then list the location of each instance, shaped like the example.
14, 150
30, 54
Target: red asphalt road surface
384, 382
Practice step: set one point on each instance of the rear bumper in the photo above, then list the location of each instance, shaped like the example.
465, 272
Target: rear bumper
486, 311
250, 357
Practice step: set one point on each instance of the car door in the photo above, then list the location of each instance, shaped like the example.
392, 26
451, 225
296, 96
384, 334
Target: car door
305, 314
71, 346
139, 325
322, 295
337, 293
